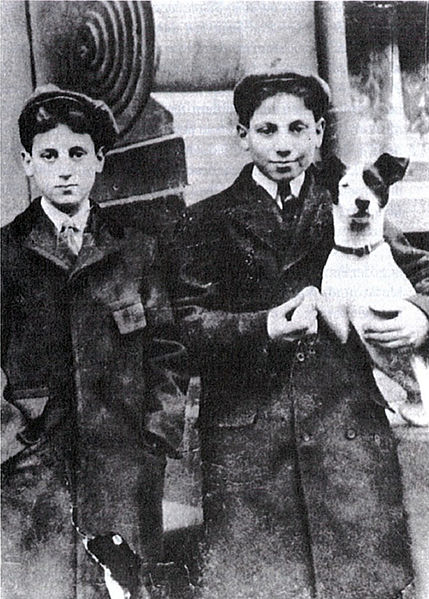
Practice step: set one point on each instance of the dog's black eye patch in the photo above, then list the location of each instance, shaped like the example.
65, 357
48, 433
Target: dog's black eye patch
377, 185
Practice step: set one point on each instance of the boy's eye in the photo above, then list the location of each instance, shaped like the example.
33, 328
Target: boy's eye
49, 155
77, 153
267, 129
298, 127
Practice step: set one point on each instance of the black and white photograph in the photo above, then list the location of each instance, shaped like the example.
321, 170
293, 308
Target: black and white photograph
214, 299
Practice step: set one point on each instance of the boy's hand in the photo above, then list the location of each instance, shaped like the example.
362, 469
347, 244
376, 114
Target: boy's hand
397, 325
296, 318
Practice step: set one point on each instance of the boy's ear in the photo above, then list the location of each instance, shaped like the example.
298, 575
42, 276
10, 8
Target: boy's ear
242, 134
100, 157
320, 130
27, 163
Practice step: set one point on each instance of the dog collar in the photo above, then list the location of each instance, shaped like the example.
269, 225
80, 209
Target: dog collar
362, 251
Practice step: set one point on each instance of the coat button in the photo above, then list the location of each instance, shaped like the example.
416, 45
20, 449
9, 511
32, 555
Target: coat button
350, 434
300, 356
306, 437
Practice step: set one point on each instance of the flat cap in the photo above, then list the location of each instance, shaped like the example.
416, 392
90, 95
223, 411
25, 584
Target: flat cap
252, 89
101, 123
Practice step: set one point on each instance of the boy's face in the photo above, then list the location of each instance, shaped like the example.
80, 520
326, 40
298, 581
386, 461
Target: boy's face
282, 137
63, 165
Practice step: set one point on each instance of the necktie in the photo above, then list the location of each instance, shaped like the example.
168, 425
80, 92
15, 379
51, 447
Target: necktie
289, 202
284, 190
68, 235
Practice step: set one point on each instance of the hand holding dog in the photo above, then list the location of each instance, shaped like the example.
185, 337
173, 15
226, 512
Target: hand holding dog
296, 318
409, 328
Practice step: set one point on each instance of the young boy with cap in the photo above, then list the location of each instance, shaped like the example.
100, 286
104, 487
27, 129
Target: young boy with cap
301, 482
92, 408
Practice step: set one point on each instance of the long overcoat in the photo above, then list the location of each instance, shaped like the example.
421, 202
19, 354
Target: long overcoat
92, 405
301, 483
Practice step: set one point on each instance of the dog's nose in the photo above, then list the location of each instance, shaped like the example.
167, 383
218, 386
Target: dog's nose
362, 204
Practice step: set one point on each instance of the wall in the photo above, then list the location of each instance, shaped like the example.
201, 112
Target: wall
15, 88
206, 45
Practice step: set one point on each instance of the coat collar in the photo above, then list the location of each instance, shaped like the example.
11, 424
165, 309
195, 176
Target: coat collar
258, 215
255, 210
101, 238
272, 188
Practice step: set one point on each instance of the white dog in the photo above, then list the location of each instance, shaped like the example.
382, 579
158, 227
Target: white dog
362, 280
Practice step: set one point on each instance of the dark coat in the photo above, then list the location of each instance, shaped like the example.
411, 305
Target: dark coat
93, 407
302, 488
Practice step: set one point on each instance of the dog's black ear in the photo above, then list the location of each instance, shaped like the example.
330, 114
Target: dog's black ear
391, 168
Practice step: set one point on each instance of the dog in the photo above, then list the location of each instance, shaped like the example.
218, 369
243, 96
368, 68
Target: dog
361, 279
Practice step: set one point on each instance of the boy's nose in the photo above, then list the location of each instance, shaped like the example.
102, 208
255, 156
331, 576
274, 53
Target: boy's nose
283, 153
284, 144
65, 168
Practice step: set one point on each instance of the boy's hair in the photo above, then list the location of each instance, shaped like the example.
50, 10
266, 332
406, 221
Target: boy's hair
252, 90
50, 106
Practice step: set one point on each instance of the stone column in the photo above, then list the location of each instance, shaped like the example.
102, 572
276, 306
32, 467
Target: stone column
332, 57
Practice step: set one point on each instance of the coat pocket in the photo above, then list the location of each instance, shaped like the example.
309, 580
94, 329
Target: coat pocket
31, 402
129, 315
21, 418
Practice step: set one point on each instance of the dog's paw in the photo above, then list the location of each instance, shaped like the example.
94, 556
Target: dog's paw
309, 297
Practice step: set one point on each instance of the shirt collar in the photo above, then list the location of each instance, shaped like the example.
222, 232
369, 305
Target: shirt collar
79, 219
271, 186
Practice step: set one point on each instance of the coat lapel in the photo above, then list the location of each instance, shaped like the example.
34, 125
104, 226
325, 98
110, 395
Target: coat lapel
314, 221
40, 236
98, 239
255, 211
99, 242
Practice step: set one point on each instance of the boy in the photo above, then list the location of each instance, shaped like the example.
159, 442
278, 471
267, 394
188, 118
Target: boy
93, 410
301, 487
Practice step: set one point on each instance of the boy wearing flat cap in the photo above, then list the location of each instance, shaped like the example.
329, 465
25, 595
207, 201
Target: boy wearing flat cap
92, 407
301, 482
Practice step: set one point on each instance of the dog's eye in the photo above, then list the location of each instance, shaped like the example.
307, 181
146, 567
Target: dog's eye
344, 185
